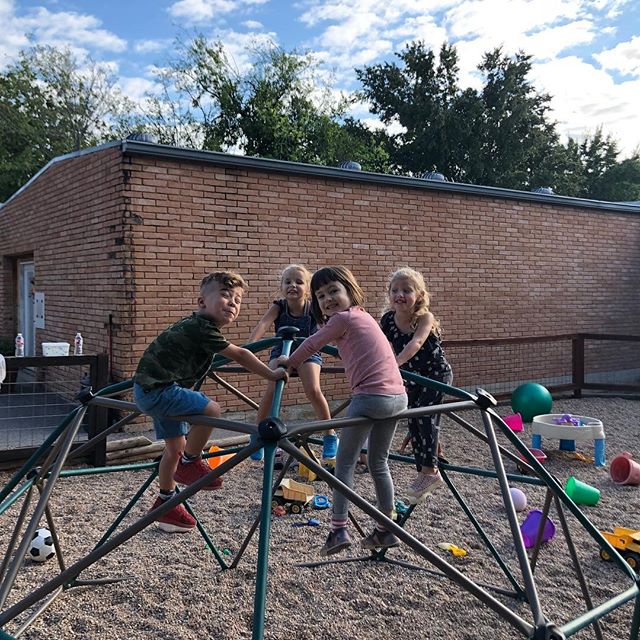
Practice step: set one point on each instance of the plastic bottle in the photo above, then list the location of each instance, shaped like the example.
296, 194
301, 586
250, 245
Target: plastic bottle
77, 344
19, 346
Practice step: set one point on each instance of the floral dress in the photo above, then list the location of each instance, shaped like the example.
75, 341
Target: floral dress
429, 362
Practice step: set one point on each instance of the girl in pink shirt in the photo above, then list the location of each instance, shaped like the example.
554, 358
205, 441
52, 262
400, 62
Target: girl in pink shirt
378, 392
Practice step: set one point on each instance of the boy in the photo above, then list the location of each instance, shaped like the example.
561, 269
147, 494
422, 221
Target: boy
172, 364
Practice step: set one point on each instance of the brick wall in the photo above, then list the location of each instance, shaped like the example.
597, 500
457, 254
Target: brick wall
133, 235
70, 221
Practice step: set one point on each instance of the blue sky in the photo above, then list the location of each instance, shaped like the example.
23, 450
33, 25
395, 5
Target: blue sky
586, 52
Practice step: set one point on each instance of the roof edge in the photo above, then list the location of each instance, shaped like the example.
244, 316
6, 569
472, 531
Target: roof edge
58, 159
298, 168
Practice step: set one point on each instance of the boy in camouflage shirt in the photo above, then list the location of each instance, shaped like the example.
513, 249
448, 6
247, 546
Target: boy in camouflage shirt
172, 364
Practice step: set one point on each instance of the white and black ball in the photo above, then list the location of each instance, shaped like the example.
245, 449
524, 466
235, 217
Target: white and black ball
41, 547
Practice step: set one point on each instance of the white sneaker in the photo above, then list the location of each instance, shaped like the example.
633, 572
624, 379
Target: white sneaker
423, 485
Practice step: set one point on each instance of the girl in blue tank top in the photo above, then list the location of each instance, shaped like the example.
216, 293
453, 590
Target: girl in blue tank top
294, 310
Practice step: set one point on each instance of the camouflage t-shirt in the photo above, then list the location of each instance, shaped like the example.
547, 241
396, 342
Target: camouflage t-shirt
182, 353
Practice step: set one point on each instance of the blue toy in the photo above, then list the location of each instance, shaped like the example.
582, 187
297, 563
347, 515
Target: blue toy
321, 502
311, 522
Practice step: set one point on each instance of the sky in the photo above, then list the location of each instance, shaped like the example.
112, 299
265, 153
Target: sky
585, 53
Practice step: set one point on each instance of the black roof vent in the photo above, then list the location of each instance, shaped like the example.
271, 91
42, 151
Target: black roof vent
433, 175
351, 165
142, 137
546, 190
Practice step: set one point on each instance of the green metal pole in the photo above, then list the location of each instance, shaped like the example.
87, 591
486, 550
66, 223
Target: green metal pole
37, 454
635, 623
260, 596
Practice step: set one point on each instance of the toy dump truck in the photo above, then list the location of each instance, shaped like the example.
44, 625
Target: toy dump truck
627, 542
293, 496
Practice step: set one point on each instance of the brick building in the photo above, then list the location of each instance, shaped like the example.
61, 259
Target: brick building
118, 237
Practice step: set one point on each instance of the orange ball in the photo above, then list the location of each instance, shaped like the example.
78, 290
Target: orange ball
217, 460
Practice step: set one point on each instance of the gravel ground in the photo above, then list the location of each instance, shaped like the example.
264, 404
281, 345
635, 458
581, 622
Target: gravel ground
177, 591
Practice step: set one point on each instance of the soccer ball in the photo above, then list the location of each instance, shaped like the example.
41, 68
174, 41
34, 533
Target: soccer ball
41, 547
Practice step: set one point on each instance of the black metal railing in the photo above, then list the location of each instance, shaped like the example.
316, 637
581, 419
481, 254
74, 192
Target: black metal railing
39, 392
565, 363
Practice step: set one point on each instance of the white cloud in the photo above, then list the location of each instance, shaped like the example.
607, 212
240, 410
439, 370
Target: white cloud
203, 11
151, 46
72, 27
422, 28
585, 98
549, 43
252, 24
79, 32
624, 57
137, 88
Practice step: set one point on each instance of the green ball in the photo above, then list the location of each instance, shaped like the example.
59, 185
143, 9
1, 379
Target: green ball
531, 399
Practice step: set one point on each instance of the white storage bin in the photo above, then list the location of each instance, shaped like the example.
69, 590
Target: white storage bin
55, 348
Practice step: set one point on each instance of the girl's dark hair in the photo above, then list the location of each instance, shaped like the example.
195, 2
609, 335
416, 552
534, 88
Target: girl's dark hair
342, 275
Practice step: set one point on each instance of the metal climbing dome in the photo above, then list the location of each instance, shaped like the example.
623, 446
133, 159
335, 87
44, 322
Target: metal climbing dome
33, 484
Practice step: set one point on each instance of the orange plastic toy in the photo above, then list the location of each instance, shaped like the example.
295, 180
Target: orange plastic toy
217, 460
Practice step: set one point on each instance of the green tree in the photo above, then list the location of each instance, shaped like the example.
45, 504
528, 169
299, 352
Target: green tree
517, 134
603, 176
277, 109
421, 96
51, 104
491, 136
25, 118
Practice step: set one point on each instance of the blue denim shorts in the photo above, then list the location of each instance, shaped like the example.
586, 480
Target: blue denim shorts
276, 352
172, 400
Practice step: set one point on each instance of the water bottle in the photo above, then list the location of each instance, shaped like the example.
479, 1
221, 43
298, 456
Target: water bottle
77, 345
19, 346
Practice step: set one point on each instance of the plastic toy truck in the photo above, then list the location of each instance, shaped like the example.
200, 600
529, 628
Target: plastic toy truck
627, 542
293, 496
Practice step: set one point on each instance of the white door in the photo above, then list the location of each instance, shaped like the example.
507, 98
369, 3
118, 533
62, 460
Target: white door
26, 316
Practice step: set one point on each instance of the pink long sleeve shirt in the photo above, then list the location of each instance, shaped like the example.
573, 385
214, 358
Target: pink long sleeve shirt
367, 355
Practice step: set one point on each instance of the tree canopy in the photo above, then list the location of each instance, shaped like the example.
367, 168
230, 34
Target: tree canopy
50, 105
275, 109
499, 134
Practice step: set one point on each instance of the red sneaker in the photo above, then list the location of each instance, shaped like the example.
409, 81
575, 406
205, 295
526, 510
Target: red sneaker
177, 520
192, 471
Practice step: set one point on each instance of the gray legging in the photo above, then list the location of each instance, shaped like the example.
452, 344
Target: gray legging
380, 435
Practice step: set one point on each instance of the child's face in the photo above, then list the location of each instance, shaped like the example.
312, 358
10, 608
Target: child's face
221, 304
333, 298
403, 295
293, 285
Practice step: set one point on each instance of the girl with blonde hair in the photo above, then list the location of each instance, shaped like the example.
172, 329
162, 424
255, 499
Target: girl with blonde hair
414, 334
293, 309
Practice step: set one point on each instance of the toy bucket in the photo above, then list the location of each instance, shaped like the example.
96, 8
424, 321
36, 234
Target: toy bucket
514, 422
529, 528
538, 454
581, 492
624, 470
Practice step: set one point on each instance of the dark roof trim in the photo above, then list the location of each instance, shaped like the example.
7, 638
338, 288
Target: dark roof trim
333, 173
319, 171
56, 160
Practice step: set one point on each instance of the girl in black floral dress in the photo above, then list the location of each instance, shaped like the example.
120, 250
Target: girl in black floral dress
414, 333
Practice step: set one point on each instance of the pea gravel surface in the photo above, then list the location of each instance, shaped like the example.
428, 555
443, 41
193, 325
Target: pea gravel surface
175, 589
